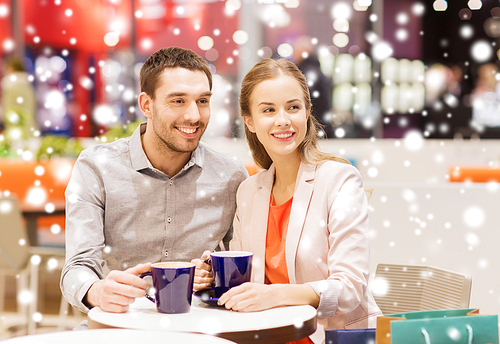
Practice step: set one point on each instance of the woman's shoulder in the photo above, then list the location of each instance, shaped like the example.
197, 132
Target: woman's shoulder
330, 167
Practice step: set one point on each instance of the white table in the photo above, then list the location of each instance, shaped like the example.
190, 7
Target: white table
121, 336
277, 325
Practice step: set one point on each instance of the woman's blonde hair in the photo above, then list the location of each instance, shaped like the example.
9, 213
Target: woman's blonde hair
271, 69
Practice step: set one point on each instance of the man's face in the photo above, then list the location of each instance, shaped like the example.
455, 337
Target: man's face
181, 109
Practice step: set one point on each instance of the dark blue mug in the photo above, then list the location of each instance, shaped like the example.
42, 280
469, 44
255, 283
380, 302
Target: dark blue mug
230, 269
173, 285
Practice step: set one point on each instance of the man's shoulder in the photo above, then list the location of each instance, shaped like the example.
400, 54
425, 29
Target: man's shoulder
108, 150
215, 156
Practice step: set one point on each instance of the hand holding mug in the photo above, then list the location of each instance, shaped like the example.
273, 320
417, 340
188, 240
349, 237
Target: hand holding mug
203, 276
119, 289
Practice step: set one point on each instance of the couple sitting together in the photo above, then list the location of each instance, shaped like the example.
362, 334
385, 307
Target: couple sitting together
162, 195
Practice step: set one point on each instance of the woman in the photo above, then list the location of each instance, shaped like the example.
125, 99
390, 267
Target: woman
305, 217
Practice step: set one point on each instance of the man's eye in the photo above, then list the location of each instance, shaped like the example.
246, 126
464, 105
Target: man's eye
178, 101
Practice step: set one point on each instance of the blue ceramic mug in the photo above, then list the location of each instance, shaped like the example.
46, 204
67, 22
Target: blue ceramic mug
230, 269
173, 285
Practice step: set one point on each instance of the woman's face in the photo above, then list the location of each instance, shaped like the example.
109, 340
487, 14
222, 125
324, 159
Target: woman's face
278, 116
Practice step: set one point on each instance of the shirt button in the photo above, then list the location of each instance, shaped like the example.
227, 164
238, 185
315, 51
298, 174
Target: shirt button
166, 253
169, 219
171, 183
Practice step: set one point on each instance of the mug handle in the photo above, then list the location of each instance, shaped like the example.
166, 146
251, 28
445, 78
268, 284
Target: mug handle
149, 297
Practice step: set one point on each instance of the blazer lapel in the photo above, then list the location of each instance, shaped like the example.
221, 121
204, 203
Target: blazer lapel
260, 214
300, 205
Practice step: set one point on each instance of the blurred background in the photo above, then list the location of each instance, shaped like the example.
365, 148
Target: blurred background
385, 67
407, 90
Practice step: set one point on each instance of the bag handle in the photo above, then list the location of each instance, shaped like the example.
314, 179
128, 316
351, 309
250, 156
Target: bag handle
427, 338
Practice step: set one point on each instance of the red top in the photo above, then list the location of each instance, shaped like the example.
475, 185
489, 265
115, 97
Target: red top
277, 226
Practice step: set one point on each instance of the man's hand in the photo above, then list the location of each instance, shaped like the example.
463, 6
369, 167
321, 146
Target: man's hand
203, 277
119, 289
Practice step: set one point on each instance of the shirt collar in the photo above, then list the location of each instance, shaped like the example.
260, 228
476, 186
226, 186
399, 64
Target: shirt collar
140, 160
138, 157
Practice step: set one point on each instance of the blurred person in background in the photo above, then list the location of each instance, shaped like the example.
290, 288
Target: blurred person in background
320, 87
18, 102
486, 98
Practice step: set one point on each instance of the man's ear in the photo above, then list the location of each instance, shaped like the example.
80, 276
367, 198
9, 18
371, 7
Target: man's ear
249, 123
145, 104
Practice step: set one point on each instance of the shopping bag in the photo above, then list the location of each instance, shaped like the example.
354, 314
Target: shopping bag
458, 326
350, 336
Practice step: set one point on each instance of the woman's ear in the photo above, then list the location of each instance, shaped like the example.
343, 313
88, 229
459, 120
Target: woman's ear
145, 104
249, 123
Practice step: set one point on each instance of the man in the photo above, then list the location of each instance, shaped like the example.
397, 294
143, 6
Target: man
159, 195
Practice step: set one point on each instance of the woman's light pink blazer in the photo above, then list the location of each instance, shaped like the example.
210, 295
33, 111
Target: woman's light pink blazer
327, 242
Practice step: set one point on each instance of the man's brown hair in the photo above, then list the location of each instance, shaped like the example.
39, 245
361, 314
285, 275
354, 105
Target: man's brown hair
171, 57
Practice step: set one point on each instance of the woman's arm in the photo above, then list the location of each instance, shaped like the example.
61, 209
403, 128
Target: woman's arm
251, 297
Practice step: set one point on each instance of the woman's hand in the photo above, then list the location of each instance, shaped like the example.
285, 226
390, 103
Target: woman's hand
250, 297
203, 277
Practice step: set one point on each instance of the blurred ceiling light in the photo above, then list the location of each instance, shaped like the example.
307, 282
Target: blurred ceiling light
285, 50
8, 45
275, 15
364, 2
265, 52
402, 18
340, 40
492, 27
153, 11
104, 115
341, 25
440, 5
111, 38
401, 35
68, 12
146, 43
240, 37
4, 11
233, 5
381, 50
466, 31
481, 51
358, 7
373, 17
36, 195
341, 10
86, 82
292, 3
475, 4
418, 9
205, 43
138, 14
54, 99
465, 14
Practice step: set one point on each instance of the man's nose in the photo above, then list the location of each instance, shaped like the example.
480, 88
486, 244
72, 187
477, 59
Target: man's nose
192, 112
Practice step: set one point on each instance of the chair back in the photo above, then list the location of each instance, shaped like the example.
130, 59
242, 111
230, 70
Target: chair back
14, 243
411, 288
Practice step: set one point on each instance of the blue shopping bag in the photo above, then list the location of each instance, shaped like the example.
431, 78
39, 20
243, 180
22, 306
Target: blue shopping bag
350, 336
